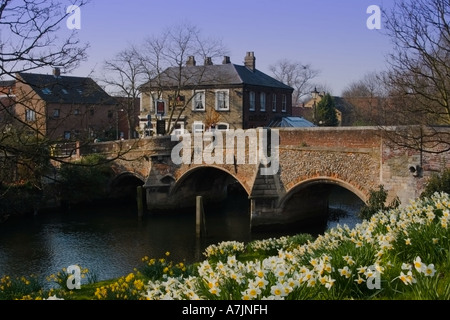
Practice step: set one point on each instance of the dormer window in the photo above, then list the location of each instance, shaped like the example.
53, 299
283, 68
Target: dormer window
46, 91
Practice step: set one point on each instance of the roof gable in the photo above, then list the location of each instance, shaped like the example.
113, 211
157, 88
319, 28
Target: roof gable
66, 89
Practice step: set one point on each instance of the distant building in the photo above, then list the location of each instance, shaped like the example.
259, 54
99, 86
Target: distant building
65, 108
223, 96
344, 110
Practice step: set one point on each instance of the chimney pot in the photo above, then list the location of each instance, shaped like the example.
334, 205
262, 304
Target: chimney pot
57, 72
208, 61
250, 61
191, 61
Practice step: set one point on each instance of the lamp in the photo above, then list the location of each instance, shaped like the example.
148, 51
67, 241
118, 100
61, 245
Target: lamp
117, 122
315, 94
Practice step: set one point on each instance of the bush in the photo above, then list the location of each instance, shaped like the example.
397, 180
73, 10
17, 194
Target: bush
437, 183
377, 202
86, 180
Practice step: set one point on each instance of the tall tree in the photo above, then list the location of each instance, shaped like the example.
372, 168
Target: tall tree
34, 34
296, 75
123, 76
30, 39
326, 112
419, 71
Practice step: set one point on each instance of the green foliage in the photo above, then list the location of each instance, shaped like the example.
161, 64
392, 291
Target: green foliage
437, 183
16, 288
155, 269
377, 202
326, 112
85, 180
18, 198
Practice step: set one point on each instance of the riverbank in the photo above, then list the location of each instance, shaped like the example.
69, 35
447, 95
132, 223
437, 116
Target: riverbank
401, 254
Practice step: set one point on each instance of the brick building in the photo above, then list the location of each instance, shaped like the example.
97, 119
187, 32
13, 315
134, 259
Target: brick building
65, 108
220, 96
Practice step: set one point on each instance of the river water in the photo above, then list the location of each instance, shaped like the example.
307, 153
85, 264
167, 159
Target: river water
110, 241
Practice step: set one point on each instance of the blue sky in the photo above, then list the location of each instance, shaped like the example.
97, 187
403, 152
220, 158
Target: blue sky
330, 35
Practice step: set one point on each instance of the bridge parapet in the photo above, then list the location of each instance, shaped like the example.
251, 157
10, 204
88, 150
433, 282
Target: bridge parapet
356, 158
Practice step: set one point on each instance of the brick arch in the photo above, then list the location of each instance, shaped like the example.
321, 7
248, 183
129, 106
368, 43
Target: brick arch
125, 184
126, 174
363, 195
182, 175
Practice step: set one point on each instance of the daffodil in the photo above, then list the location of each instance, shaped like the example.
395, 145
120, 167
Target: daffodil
429, 270
418, 264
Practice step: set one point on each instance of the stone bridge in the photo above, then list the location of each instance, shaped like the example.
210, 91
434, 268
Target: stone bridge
301, 164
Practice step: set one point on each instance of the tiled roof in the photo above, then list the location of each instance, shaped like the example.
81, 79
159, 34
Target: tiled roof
213, 75
66, 89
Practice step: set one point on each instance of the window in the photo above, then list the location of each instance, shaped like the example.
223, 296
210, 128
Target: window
284, 103
222, 100
67, 135
46, 91
65, 91
252, 98
30, 115
110, 114
222, 126
198, 103
198, 126
274, 102
92, 111
77, 112
56, 113
179, 129
262, 101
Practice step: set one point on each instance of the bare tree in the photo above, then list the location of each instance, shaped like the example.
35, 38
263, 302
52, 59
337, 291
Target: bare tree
295, 75
163, 58
30, 40
33, 35
419, 71
368, 97
124, 75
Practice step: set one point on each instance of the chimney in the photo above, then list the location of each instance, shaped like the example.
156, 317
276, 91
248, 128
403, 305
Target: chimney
208, 61
56, 72
250, 61
226, 60
191, 61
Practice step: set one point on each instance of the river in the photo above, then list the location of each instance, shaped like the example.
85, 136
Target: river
110, 241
